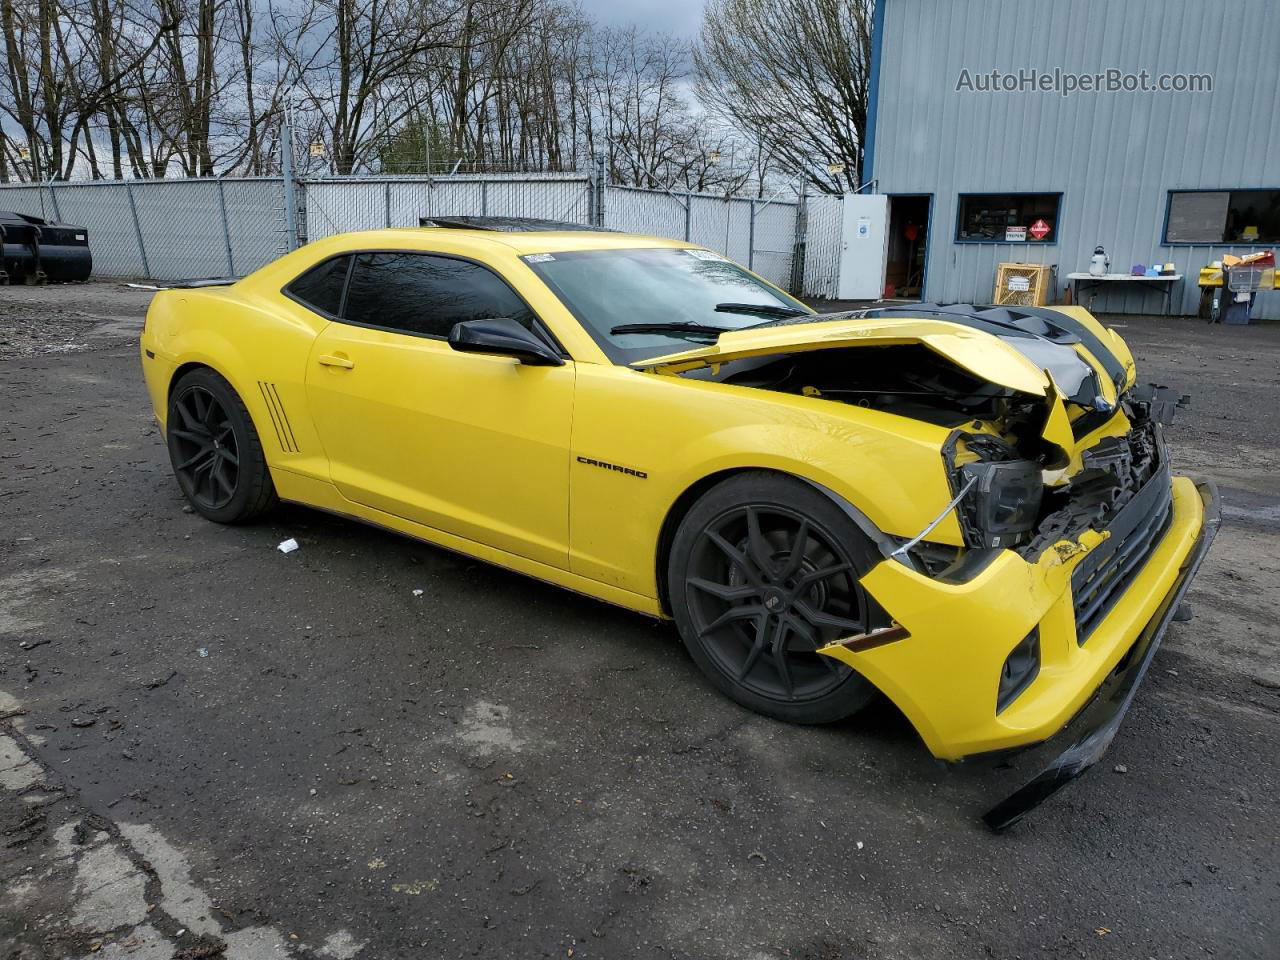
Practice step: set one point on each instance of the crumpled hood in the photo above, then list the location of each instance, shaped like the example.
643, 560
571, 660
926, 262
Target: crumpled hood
1061, 354
1038, 351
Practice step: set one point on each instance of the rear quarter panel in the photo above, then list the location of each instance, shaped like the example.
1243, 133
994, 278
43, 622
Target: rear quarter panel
259, 344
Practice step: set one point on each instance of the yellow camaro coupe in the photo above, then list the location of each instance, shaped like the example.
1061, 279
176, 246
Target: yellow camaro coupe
968, 509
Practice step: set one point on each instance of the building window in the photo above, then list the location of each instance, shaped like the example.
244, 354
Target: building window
1223, 216
1008, 218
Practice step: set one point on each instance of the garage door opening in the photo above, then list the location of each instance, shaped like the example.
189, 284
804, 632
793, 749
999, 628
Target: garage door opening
908, 245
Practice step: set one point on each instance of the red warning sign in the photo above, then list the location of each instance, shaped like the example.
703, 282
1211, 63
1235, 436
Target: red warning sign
1039, 230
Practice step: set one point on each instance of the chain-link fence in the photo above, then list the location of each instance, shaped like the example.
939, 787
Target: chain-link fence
822, 235
339, 206
166, 229
759, 233
186, 229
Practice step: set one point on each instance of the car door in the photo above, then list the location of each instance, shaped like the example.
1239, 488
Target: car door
470, 444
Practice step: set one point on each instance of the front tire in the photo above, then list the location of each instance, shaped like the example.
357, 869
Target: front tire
763, 571
216, 454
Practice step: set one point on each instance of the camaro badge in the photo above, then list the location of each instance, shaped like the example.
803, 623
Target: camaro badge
613, 466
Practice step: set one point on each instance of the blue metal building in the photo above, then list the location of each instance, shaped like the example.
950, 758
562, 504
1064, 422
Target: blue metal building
1151, 129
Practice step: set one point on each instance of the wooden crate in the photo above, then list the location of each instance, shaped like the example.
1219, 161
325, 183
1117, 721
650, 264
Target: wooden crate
1024, 284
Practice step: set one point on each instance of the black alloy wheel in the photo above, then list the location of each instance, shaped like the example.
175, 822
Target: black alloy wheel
767, 579
215, 450
207, 459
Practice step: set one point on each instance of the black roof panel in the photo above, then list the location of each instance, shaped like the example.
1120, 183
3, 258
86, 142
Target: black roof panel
507, 224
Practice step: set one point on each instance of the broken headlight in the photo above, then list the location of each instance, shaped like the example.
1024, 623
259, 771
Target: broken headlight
1003, 505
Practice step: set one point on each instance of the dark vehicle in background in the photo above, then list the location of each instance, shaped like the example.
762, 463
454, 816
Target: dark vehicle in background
32, 250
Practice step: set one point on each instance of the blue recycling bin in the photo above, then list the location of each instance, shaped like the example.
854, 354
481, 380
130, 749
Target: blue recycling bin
1240, 290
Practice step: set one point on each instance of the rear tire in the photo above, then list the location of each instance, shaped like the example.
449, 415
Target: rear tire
216, 454
763, 571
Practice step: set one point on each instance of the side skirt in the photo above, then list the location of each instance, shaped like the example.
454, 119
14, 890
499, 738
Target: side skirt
321, 495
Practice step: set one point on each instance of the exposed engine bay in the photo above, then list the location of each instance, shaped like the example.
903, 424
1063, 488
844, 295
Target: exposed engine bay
910, 380
1008, 483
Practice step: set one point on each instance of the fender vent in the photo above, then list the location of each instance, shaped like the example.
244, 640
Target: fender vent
279, 418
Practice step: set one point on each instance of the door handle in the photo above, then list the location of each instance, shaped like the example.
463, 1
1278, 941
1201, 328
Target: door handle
338, 360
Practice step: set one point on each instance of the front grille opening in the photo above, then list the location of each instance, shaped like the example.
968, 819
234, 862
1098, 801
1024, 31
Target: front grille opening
1113, 474
1020, 668
1099, 582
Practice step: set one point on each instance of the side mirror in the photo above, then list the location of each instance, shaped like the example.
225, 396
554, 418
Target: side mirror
505, 337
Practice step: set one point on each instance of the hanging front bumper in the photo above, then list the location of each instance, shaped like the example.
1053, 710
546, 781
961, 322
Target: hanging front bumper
1094, 727
1089, 613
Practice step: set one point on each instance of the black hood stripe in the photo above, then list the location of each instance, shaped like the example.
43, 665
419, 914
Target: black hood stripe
995, 320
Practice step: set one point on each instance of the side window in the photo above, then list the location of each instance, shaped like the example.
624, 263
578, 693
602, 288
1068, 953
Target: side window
320, 288
426, 295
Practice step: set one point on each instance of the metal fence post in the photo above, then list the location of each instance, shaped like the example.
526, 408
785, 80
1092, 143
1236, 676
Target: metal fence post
484, 198
286, 172
751, 238
226, 229
688, 215
53, 199
728, 221
387, 200
137, 229
798, 245
601, 185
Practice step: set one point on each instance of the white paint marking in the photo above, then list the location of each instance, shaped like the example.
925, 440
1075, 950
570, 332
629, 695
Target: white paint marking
143, 943
11, 754
183, 900
110, 893
487, 727
256, 943
342, 946
19, 591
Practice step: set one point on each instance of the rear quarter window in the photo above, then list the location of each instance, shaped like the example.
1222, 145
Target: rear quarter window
320, 288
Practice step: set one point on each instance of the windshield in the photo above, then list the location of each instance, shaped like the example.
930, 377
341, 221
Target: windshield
660, 286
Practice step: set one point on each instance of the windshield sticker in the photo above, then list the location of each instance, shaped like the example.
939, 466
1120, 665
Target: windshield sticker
704, 255
539, 258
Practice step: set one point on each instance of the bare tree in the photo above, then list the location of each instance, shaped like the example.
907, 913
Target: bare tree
62, 66
149, 88
637, 114
365, 53
33, 94
793, 75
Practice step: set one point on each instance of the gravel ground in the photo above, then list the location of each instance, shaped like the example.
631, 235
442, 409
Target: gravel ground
215, 749
67, 318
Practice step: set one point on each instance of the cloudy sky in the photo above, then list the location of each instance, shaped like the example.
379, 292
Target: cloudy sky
681, 17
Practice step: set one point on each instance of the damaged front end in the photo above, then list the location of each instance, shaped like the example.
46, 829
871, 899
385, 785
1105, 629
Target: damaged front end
1039, 592
1019, 503
1106, 520
1091, 730
1106, 554
1102, 520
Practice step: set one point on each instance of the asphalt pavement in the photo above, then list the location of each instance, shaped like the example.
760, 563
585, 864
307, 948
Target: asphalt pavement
211, 748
